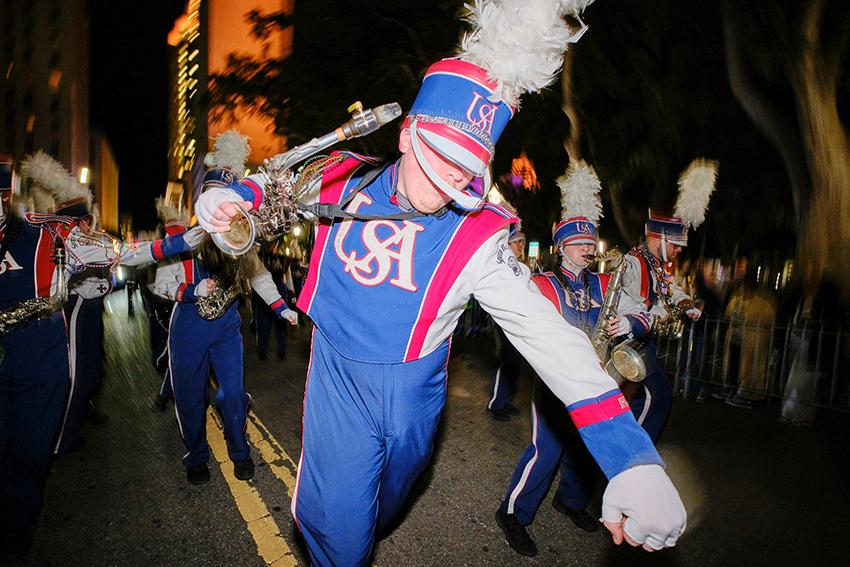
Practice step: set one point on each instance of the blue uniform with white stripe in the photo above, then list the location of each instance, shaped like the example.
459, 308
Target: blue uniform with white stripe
554, 438
33, 372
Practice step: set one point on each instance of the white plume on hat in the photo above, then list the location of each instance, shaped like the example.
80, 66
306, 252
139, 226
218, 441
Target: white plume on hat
580, 189
42, 200
169, 213
696, 184
52, 175
520, 43
231, 151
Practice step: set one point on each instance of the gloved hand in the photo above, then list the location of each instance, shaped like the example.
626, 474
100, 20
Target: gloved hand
642, 506
618, 326
290, 315
694, 313
215, 208
204, 287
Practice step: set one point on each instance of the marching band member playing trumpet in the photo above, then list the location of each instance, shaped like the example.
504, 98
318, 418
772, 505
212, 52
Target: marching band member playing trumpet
386, 293
578, 295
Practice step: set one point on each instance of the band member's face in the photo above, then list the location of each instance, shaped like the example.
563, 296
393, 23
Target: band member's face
577, 253
414, 184
5, 199
655, 245
518, 248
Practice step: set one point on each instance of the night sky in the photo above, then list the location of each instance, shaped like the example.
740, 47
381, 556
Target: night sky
129, 95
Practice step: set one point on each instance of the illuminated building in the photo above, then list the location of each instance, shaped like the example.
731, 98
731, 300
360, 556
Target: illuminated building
200, 43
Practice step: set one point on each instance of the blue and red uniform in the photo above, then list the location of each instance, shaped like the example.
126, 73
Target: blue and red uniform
34, 369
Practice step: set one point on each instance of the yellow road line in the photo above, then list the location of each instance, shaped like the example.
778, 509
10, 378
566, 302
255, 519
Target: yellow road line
272, 452
271, 545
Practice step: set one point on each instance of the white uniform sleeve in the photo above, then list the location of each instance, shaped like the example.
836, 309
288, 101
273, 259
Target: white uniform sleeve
561, 354
261, 279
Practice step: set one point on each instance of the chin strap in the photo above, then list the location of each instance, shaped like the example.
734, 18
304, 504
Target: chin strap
464, 200
664, 247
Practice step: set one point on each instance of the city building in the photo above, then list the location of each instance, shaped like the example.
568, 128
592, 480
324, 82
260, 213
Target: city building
201, 41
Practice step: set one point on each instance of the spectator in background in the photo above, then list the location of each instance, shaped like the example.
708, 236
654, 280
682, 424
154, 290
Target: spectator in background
815, 320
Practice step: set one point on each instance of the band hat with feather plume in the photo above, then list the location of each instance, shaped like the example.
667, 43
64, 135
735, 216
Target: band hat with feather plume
227, 165
464, 103
169, 214
581, 206
696, 184
72, 197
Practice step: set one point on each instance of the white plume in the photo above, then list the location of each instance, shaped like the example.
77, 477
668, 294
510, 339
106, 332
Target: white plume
52, 176
231, 151
696, 184
167, 212
580, 189
42, 200
521, 43
95, 216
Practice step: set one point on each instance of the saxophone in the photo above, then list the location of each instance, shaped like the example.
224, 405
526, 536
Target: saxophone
38, 307
672, 325
625, 361
281, 204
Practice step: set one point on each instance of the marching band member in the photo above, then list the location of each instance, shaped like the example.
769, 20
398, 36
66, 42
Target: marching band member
649, 280
34, 370
174, 222
578, 295
386, 294
197, 345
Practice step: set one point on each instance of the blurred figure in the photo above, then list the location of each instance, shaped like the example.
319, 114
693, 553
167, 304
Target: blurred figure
752, 310
265, 318
816, 318
504, 385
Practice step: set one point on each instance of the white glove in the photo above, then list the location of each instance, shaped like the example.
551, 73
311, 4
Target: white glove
194, 236
209, 201
291, 316
646, 499
622, 326
204, 287
694, 314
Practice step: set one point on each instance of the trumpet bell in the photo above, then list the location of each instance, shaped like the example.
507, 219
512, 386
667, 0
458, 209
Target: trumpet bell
240, 238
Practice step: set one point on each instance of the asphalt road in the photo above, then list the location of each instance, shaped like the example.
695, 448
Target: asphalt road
758, 493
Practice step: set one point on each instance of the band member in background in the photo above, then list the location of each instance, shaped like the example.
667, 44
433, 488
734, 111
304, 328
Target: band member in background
578, 295
504, 385
649, 280
168, 270
197, 345
385, 296
34, 362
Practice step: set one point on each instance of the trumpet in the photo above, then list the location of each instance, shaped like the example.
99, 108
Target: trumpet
280, 207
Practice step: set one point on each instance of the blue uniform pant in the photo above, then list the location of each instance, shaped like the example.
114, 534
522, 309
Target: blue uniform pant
504, 385
196, 346
554, 442
652, 402
33, 387
368, 433
85, 336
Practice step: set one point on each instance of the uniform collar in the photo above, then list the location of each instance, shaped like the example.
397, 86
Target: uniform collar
568, 274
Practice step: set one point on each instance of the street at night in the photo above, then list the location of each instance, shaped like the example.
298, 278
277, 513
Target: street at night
758, 492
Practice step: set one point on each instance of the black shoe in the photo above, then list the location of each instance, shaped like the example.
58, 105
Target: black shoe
198, 474
516, 534
579, 517
511, 409
160, 403
244, 470
500, 414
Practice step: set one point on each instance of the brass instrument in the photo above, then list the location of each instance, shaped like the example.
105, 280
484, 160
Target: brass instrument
38, 307
625, 361
672, 325
215, 304
281, 203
